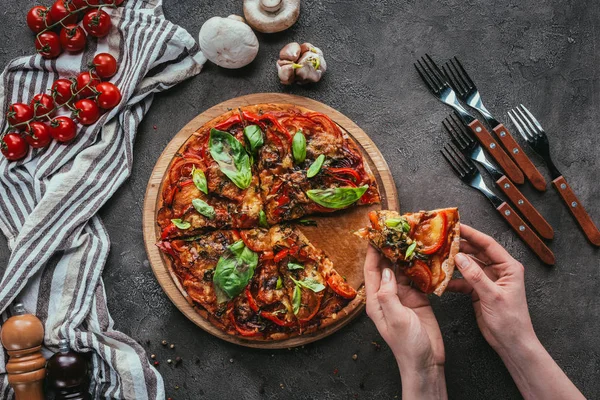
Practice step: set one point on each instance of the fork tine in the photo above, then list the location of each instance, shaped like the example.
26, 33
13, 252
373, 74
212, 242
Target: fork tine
450, 161
534, 130
436, 70
466, 135
463, 167
458, 135
429, 80
469, 82
455, 80
533, 119
519, 126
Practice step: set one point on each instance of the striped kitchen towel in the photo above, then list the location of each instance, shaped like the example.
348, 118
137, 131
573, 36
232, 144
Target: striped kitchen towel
49, 200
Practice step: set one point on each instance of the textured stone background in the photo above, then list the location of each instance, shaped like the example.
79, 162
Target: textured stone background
539, 53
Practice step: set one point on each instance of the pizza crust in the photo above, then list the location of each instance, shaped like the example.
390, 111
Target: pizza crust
448, 264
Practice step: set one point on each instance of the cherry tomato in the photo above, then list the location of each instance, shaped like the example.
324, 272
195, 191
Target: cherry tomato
374, 220
42, 104
48, 45
38, 18
63, 129
97, 23
420, 275
105, 65
62, 90
432, 233
61, 9
87, 111
89, 79
13, 146
337, 283
72, 38
109, 96
18, 113
38, 135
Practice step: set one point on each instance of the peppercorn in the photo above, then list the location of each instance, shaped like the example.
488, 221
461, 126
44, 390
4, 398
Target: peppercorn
156, 363
169, 361
153, 356
172, 346
177, 360
164, 342
355, 357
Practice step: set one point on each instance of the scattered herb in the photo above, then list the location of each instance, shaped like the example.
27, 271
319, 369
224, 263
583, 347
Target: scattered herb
181, 224
410, 250
294, 266
254, 136
279, 283
204, 208
299, 147
310, 283
296, 298
262, 219
235, 269
307, 222
231, 156
336, 197
199, 180
315, 167
393, 222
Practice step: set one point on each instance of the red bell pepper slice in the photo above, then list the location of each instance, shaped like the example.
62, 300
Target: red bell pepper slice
234, 119
346, 171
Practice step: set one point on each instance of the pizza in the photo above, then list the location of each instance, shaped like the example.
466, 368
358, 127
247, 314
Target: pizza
423, 244
229, 204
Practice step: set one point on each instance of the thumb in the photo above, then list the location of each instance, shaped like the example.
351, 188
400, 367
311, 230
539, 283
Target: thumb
393, 310
473, 274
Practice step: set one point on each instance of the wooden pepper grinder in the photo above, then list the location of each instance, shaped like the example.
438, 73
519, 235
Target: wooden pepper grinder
67, 373
22, 336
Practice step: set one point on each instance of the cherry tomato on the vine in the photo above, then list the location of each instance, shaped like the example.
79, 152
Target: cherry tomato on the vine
18, 113
13, 146
42, 104
97, 23
105, 65
87, 111
63, 129
84, 3
108, 95
38, 135
62, 90
61, 9
38, 18
48, 45
73, 38
89, 79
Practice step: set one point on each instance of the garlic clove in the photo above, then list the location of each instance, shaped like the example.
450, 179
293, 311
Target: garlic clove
290, 51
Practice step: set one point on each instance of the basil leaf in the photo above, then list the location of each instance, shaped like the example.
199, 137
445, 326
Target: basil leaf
279, 283
204, 208
310, 283
231, 156
336, 197
262, 219
410, 250
296, 299
315, 167
299, 147
199, 180
235, 269
254, 136
181, 224
293, 266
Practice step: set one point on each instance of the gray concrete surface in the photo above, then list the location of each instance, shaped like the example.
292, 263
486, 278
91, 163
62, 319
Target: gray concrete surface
540, 53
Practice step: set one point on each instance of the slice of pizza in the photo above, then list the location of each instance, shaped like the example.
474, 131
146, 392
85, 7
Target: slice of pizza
212, 182
423, 244
260, 283
307, 164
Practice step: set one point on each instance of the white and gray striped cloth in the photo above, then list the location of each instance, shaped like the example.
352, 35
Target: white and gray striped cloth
49, 200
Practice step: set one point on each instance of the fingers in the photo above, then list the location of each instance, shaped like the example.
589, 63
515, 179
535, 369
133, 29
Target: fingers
485, 246
372, 273
393, 310
473, 274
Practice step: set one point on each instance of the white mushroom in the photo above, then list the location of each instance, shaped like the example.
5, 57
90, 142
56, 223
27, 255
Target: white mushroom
228, 42
270, 16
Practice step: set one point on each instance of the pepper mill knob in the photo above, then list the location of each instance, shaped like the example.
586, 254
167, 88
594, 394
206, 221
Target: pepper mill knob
22, 336
67, 373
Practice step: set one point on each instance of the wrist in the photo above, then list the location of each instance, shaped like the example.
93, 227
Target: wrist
523, 344
423, 382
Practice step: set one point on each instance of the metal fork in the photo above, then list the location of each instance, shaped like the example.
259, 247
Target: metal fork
468, 173
471, 149
534, 134
436, 82
467, 91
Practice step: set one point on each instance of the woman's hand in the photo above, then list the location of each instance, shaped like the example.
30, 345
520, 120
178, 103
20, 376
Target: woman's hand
406, 322
496, 283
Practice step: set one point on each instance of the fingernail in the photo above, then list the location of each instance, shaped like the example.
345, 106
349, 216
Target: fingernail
461, 260
387, 275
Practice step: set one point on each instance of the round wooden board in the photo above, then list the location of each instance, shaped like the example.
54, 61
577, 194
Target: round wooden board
333, 233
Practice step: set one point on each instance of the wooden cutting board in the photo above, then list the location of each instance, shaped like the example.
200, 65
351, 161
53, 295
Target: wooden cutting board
333, 233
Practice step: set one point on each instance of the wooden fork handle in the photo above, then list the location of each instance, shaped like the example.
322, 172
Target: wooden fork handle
526, 234
517, 153
583, 218
526, 208
506, 163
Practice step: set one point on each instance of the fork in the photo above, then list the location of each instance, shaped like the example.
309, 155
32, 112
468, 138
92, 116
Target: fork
471, 149
467, 91
439, 86
536, 137
468, 173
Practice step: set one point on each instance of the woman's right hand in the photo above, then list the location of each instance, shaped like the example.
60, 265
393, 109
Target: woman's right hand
496, 283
